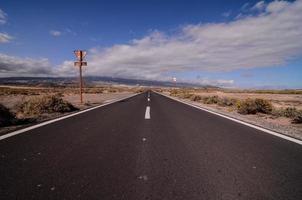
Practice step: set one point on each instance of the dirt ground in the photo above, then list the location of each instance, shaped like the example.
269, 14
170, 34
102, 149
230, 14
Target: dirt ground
278, 100
10, 101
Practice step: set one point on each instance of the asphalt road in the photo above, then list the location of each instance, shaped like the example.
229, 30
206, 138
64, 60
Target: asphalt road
181, 152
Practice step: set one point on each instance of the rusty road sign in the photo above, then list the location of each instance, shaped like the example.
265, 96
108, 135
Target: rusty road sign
78, 64
80, 54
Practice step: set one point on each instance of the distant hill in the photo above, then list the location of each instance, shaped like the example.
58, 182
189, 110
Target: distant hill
91, 80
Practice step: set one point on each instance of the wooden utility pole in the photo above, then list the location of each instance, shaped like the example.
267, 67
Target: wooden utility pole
80, 54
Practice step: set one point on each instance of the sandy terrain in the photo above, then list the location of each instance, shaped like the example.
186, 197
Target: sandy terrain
10, 101
278, 100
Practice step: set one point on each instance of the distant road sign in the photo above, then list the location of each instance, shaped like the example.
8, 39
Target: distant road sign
78, 64
80, 54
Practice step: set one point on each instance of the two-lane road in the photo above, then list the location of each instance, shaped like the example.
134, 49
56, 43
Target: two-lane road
178, 152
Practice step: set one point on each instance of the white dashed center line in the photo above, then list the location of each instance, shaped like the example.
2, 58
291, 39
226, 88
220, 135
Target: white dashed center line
148, 99
147, 113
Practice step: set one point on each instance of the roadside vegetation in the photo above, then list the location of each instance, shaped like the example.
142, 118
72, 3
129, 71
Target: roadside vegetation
6, 116
249, 106
44, 105
33, 109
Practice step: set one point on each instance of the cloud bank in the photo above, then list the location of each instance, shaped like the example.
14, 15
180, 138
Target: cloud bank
15, 66
270, 37
5, 38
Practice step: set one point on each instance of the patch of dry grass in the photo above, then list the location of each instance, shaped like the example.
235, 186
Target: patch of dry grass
44, 105
253, 106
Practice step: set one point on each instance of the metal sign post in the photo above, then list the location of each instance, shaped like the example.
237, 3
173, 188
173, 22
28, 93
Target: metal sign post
80, 56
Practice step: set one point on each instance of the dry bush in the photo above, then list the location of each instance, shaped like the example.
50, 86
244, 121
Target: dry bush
247, 106
45, 105
227, 101
290, 112
174, 92
298, 118
253, 106
94, 90
6, 117
264, 106
211, 100
196, 98
138, 90
182, 93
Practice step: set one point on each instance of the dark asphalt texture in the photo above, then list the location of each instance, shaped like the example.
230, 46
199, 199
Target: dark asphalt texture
113, 152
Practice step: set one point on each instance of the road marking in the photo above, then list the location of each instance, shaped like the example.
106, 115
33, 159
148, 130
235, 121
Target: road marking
143, 177
60, 118
238, 121
148, 99
147, 113
144, 139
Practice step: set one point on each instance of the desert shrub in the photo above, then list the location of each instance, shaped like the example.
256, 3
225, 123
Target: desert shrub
289, 112
297, 118
196, 98
181, 93
253, 106
227, 101
112, 90
186, 95
211, 100
45, 104
247, 106
176, 92
263, 106
6, 117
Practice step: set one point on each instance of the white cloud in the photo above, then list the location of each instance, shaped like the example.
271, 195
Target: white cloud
55, 33
3, 17
268, 39
259, 6
271, 38
218, 82
5, 38
277, 6
16, 66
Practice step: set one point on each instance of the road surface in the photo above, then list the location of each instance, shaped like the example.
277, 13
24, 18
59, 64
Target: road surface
168, 151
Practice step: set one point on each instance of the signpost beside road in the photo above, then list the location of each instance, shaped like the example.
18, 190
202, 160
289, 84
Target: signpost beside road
80, 55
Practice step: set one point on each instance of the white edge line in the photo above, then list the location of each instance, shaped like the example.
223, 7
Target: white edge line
238, 121
61, 118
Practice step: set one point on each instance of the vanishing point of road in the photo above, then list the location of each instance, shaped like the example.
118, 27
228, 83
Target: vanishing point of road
138, 149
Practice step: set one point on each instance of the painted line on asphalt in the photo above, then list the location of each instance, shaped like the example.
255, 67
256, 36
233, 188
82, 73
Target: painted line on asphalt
148, 99
147, 113
61, 118
238, 121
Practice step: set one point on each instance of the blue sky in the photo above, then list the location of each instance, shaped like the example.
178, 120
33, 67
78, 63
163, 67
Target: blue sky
227, 43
